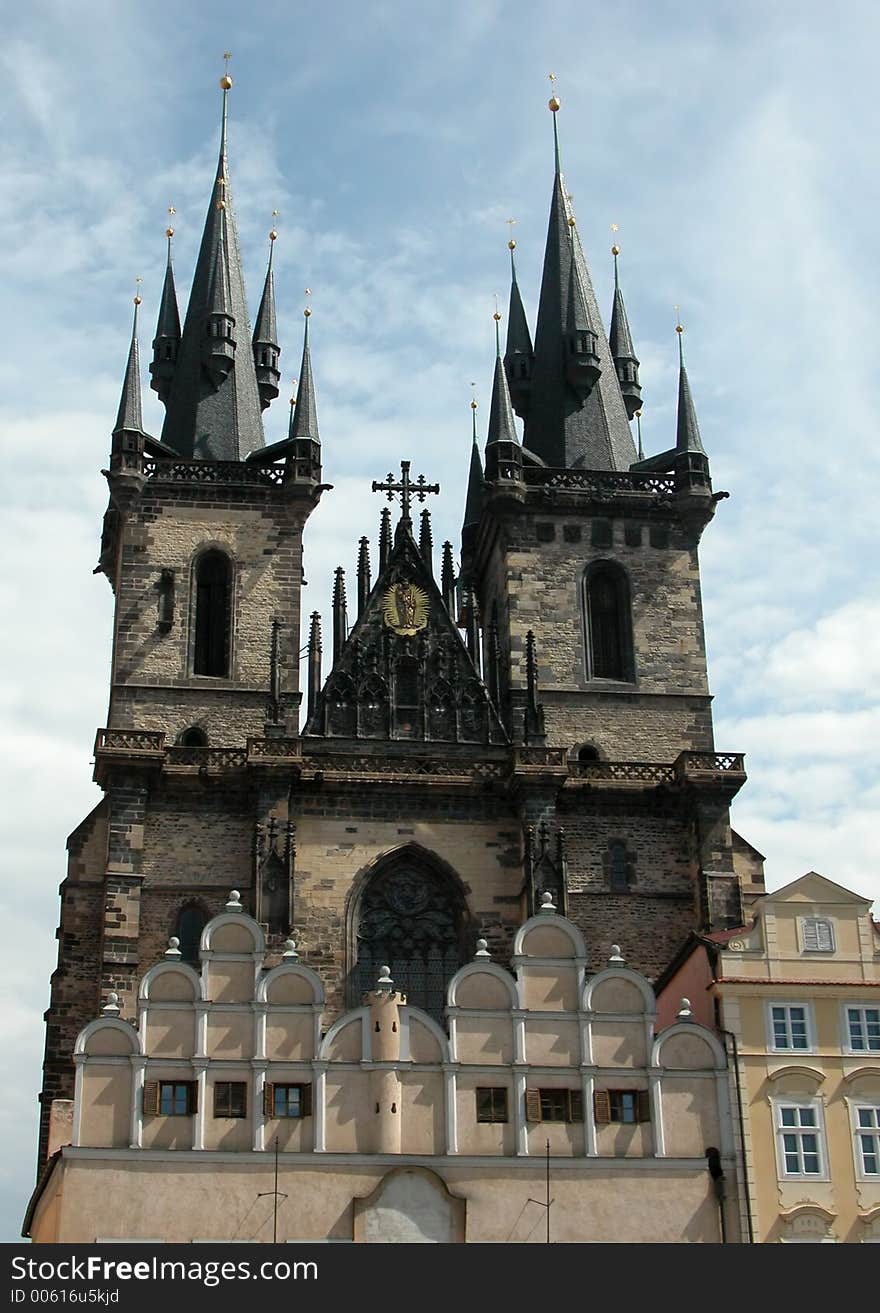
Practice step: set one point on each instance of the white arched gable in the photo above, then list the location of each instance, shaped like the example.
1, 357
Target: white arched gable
292, 969
237, 919
689, 1028
555, 921
107, 1023
169, 968
433, 1028
621, 973
358, 1015
481, 969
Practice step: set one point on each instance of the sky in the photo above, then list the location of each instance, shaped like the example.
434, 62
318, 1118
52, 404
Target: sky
734, 146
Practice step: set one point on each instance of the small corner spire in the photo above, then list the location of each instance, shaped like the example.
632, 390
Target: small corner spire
688, 431
265, 343
340, 613
474, 499
166, 343
626, 362
384, 537
447, 578
426, 541
129, 417
364, 574
304, 420
315, 655
502, 426
518, 353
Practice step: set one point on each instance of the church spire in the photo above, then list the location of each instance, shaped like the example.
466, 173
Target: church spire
166, 343
266, 348
576, 415
518, 354
213, 405
620, 340
304, 417
687, 438
504, 458
129, 417
474, 500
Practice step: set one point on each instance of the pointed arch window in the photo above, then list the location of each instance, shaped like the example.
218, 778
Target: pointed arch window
412, 918
608, 623
213, 588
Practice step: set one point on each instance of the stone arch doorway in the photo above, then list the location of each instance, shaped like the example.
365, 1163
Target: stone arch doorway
409, 912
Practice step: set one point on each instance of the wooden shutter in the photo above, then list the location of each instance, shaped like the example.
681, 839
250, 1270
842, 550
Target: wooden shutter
601, 1107
643, 1106
151, 1098
305, 1101
811, 935
575, 1106
192, 1096
533, 1105
268, 1100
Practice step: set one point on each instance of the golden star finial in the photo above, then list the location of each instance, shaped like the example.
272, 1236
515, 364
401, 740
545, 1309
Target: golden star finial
226, 80
137, 294
553, 102
511, 244
308, 309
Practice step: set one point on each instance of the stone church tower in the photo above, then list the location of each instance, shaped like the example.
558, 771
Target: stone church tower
534, 725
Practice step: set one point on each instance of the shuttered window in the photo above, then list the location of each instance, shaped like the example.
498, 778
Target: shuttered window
167, 1098
287, 1100
230, 1098
492, 1104
626, 1106
554, 1106
817, 935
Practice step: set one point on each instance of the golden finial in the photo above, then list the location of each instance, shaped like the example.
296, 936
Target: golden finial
137, 295
511, 245
496, 316
553, 102
169, 231
226, 80
615, 250
273, 232
678, 325
293, 392
307, 310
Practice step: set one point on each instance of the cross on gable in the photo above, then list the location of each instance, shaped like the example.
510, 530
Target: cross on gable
406, 489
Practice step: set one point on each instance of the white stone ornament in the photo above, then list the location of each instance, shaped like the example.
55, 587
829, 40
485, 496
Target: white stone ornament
234, 904
290, 954
616, 955
546, 902
111, 1007
173, 949
384, 981
482, 948
684, 1010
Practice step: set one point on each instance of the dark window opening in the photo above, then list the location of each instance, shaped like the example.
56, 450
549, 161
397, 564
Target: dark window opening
618, 867
190, 924
213, 580
610, 644
554, 1106
230, 1098
287, 1100
193, 738
624, 1106
175, 1098
491, 1104
587, 753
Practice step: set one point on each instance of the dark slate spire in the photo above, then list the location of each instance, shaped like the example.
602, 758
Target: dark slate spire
266, 348
315, 653
582, 368
340, 613
620, 340
562, 427
213, 406
474, 500
304, 420
129, 417
426, 541
447, 578
166, 343
518, 354
687, 438
502, 426
384, 537
363, 574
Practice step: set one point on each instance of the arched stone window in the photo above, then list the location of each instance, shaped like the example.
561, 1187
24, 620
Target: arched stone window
213, 590
587, 754
608, 623
412, 917
191, 921
194, 737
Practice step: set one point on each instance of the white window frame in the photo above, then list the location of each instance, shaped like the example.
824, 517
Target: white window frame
799, 1101
817, 921
856, 1105
808, 1024
860, 1005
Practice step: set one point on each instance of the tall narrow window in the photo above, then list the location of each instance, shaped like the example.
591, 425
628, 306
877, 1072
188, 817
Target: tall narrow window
211, 656
609, 641
190, 924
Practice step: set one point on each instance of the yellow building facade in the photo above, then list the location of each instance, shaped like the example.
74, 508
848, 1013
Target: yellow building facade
796, 995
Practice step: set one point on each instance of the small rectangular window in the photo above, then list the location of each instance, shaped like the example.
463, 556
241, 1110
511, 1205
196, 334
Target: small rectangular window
492, 1103
863, 1025
287, 1100
177, 1098
817, 935
868, 1140
554, 1106
626, 1106
799, 1137
789, 1027
230, 1098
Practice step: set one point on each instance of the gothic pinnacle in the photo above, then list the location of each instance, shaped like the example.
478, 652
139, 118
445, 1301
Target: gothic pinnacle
623, 353
166, 343
129, 417
265, 345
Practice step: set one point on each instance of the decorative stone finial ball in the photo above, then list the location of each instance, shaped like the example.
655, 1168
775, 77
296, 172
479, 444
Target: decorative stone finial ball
111, 1007
616, 955
290, 949
234, 904
173, 949
226, 82
684, 1010
547, 902
482, 948
553, 104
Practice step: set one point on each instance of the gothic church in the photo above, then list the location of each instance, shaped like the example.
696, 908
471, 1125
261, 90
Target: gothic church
529, 721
